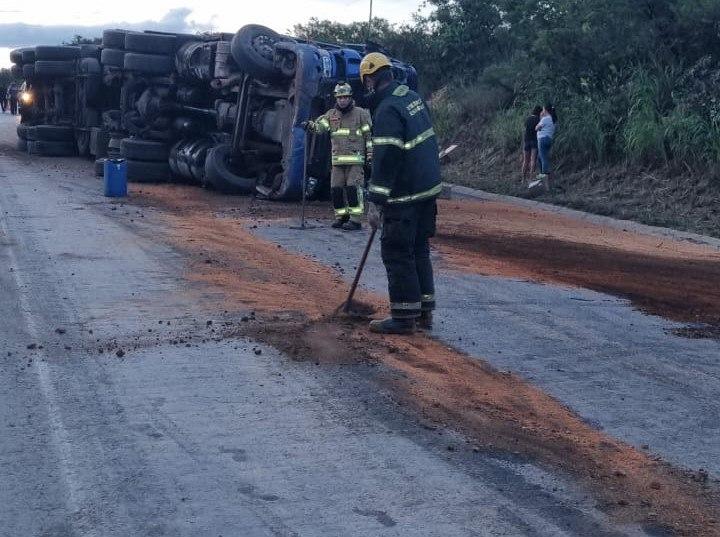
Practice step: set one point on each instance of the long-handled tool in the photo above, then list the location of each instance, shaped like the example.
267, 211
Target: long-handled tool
307, 155
358, 272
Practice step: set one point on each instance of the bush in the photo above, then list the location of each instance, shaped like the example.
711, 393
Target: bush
581, 138
505, 130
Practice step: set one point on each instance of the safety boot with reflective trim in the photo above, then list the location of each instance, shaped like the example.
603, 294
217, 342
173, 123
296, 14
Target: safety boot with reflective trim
393, 326
425, 321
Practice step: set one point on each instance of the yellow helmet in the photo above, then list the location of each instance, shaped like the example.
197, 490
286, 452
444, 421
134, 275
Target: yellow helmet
343, 89
371, 63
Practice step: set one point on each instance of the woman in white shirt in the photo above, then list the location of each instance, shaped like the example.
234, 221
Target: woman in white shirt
545, 134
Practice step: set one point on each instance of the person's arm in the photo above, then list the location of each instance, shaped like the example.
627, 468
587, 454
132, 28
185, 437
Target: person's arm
388, 154
540, 124
366, 129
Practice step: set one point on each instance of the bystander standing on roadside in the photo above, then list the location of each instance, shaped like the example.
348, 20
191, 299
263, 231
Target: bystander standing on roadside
530, 143
545, 135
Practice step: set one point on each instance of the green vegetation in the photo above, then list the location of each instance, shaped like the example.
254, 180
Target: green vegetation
635, 84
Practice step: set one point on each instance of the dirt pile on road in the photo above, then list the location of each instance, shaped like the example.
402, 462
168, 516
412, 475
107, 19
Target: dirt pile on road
672, 279
295, 297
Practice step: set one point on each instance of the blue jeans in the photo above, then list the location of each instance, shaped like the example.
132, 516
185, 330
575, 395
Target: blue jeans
544, 145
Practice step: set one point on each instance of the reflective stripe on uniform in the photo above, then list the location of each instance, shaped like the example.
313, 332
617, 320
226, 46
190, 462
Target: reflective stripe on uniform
358, 209
347, 159
324, 123
405, 305
427, 298
385, 140
340, 132
341, 211
379, 189
364, 129
434, 191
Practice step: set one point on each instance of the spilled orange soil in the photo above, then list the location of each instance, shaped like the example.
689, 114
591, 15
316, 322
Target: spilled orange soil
673, 279
295, 298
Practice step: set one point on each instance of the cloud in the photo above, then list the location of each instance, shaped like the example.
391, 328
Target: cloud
21, 34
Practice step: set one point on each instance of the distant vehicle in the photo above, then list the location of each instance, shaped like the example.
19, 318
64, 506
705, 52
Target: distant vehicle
220, 110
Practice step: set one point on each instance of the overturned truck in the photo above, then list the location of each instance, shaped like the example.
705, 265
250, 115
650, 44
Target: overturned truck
222, 110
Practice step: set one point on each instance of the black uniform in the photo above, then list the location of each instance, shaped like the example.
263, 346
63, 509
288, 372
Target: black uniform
406, 182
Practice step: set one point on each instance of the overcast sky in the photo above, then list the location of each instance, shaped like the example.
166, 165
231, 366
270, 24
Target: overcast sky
52, 21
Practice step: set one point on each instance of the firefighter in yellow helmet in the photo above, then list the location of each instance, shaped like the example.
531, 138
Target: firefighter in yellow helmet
404, 185
349, 127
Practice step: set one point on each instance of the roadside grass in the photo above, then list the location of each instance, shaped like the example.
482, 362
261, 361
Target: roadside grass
683, 199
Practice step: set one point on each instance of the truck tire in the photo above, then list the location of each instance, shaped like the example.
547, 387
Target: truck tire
16, 71
27, 56
100, 167
54, 68
113, 39
150, 43
51, 149
219, 176
28, 70
90, 51
82, 142
99, 139
53, 133
139, 171
153, 64
89, 66
22, 131
22, 145
112, 57
54, 53
16, 55
252, 49
145, 150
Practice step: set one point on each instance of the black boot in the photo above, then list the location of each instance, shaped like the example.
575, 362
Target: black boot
393, 326
352, 226
426, 320
337, 224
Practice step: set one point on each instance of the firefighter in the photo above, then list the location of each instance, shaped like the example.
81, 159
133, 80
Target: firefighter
402, 192
349, 127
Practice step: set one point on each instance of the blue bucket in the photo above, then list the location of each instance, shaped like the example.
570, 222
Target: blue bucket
115, 175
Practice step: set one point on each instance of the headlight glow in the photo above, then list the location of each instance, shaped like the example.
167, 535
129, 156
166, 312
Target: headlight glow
26, 97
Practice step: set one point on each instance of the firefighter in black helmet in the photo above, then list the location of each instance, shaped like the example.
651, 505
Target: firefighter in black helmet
402, 192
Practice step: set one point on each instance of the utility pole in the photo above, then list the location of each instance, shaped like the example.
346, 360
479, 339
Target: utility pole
369, 23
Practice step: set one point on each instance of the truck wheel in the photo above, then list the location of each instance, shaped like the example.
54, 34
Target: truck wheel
219, 176
99, 139
100, 167
82, 141
145, 150
150, 43
27, 56
114, 39
53, 133
112, 57
16, 71
54, 68
22, 131
252, 48
51, 149
152, 64
90, 51
45, 52
16, 55
140, 171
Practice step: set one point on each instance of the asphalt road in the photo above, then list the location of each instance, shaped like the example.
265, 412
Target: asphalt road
124, 414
